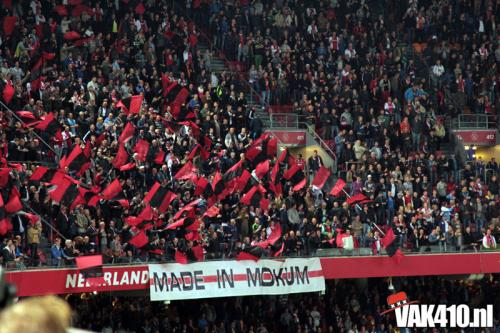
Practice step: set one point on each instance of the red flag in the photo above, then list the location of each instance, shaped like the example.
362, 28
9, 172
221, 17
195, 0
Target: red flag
142, 149
139, 240
356, 198
339, 186
198, 252
32, 218
254, 196
262, 169
121, 157
128, 132
296, 176
5, 226
91, 268
160, 157
212, 212
131, 104
113, 190
124, 203
250, 253
321, 177
61, 10
4, 176
188, 171
26, 114
71, 35
389, 237
128, 166
139, 9
9, 24
146, 214
7, 92
181, 257
14, 204
272, 147
398, 256
159, 197
189, 209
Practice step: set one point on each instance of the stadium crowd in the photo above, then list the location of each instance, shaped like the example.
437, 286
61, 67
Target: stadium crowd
347, 306
119, 98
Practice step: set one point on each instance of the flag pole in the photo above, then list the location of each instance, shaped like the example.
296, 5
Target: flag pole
359, 207
22, 122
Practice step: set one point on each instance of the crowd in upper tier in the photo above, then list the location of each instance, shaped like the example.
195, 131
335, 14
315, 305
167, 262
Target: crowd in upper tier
118, 96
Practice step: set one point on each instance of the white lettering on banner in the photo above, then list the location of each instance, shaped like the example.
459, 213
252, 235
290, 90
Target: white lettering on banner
238, 278
430, 316
76, 280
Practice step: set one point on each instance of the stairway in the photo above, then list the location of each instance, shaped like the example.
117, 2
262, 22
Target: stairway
218, 66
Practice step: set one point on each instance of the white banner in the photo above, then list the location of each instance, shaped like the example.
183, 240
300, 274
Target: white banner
235, 278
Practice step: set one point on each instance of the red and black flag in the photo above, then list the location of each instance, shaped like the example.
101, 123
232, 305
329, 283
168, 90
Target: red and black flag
5, 225
231, 176
205, 142
204, 188
188, 171
186, 223
90, 197
159, 197
212, 212
274, 242
142, 149
139, 240
356, 199
78, 160
7, 91
262, 169
255, 154
121, 157
245, 182
91, 268
251, 252
14, 204
254, 196
324, 179
131, 105
49, 124
36, 74
45, 175
127, 133
187, 210
391, 245
296, 177
160, 156
113, 191
174, 93
199, 150
218, 186
66, 193
193, 254
286, 158
338, 187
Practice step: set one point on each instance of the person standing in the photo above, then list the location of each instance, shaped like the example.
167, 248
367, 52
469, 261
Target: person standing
34, 234
315, 162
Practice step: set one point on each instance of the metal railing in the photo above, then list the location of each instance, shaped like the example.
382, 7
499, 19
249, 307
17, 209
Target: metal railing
475, 121
284, 120
110, 261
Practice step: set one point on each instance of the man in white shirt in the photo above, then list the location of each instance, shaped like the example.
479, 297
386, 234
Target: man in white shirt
489, 241
437, 72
